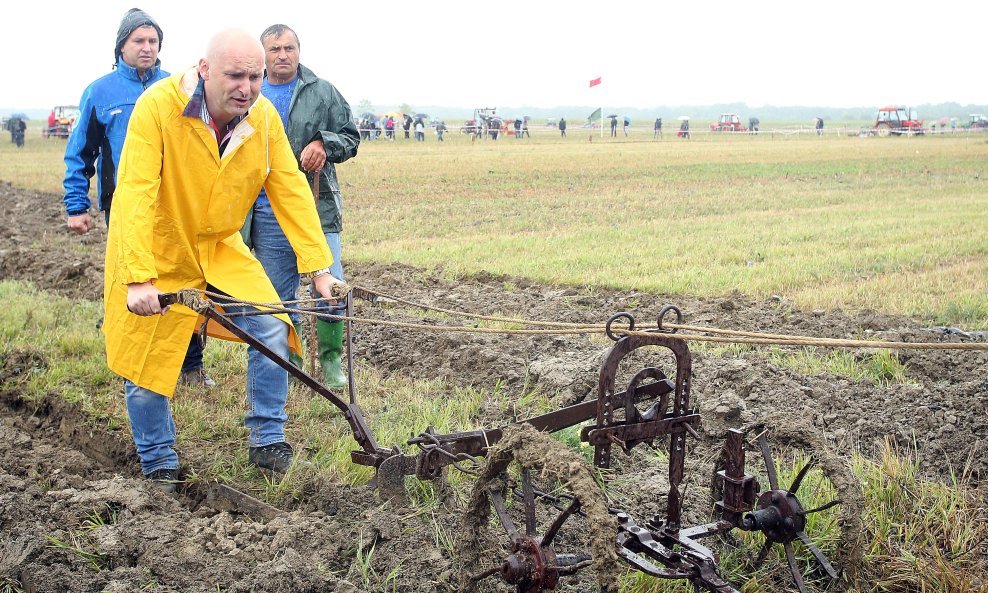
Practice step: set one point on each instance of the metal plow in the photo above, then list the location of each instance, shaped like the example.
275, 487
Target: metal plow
537, 513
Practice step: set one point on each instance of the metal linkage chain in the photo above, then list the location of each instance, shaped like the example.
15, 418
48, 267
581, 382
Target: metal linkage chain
456, 459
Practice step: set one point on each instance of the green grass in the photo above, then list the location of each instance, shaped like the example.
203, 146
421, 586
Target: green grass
892, 224
881, 367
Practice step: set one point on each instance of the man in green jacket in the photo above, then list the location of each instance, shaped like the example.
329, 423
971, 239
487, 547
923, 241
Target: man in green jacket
322, 132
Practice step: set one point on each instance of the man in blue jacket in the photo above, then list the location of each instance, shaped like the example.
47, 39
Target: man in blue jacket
98, 137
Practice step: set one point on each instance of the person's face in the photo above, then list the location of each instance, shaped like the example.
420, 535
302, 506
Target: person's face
281, 57
232, 81
141, 48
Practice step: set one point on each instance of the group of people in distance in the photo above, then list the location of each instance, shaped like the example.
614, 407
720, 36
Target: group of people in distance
207, 172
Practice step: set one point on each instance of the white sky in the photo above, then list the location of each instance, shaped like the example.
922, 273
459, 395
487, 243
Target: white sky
838, 53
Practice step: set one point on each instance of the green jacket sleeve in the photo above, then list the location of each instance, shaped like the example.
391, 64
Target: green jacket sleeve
342, 140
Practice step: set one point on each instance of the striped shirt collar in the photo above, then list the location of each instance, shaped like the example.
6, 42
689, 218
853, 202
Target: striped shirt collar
197, 108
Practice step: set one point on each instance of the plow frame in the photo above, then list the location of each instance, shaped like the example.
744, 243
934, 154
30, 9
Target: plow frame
661, 547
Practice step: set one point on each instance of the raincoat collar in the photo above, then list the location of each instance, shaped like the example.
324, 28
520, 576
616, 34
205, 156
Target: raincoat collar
130, 73
196, 108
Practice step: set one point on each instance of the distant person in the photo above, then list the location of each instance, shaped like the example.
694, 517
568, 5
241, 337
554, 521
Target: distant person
626, 122
389, 128
657, 128
51, 121
562, 127
753, 124
419, 130
97, 140
613, 127
819, 126
440, 130
517, 129
684, 129
524, 128
406, 124
493, 129
18, 129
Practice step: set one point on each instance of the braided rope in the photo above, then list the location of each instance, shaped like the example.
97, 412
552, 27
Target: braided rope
566, 328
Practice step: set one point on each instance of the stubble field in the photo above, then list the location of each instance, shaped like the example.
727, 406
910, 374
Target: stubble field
835, 237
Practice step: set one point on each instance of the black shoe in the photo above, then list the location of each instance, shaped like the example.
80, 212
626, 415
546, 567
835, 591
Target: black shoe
277, 457
165, 480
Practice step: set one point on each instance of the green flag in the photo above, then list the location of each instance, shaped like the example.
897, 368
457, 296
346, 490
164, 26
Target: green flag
594, 116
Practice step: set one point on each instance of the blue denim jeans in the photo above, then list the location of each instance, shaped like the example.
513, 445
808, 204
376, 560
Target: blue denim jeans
272, 249
150, 414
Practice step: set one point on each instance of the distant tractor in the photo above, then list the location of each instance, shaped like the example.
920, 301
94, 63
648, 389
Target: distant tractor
978, 122
729, 122
60, 126
897, 121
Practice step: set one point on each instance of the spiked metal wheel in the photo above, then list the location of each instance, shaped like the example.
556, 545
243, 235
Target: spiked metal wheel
782, 518
536, 534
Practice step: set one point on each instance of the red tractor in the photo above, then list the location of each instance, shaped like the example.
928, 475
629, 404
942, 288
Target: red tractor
60, 121
897, 121
729, 122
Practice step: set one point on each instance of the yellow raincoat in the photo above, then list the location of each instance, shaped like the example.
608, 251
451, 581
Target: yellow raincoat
177, 213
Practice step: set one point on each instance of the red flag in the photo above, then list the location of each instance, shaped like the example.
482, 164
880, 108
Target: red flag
594, 82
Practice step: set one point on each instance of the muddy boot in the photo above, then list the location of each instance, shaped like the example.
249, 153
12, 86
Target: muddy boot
166, 480
330, 348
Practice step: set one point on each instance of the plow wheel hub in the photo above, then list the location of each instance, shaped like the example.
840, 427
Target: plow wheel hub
530, 567
778, 515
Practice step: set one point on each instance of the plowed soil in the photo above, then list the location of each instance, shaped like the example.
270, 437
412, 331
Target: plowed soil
76, 517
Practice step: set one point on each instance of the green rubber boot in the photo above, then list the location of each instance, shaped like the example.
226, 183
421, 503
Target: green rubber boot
330, 348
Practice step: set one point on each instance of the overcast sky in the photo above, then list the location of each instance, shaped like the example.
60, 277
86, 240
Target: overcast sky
838, 53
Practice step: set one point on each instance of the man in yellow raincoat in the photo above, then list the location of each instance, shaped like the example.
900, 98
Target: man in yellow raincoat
200, 146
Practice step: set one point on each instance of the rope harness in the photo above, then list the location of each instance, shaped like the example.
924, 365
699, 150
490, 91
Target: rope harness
199, 300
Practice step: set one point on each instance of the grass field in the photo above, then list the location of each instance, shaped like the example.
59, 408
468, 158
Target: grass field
892, 224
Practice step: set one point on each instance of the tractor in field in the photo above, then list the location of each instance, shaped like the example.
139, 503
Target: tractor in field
897, 121
60, 122
978, 122
729, 122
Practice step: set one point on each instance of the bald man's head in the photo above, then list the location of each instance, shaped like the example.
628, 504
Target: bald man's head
233, 70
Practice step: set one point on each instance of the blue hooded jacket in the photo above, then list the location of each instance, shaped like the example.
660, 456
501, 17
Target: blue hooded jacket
98, 135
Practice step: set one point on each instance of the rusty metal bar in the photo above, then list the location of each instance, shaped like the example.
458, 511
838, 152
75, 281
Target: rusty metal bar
361, 432
476, 442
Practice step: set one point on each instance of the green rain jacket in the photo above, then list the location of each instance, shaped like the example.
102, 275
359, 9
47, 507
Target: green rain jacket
318, 110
